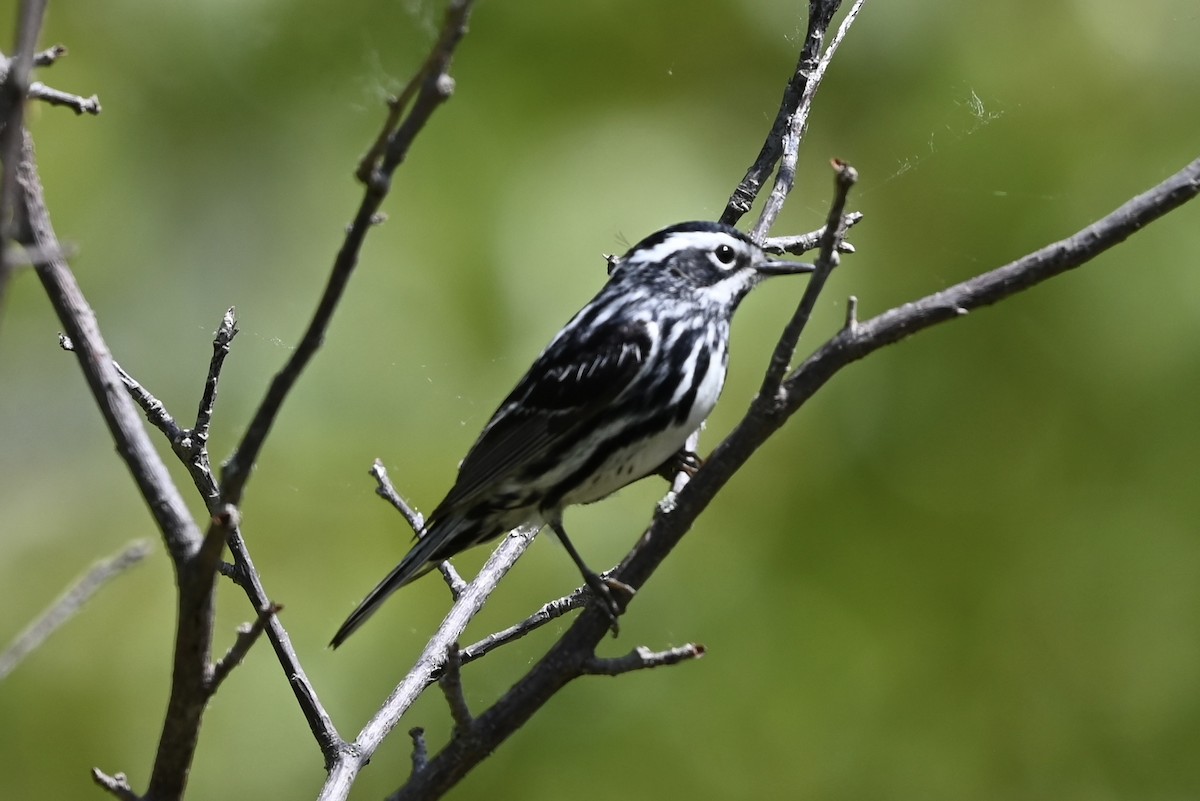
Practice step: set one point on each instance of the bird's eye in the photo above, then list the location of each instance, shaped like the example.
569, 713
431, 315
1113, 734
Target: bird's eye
725, 254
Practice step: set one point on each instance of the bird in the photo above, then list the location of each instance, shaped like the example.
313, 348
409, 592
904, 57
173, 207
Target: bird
612, 399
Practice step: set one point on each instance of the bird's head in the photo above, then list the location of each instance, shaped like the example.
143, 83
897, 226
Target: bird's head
711, 263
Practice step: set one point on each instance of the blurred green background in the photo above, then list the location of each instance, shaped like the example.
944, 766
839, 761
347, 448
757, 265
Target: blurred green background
969, 569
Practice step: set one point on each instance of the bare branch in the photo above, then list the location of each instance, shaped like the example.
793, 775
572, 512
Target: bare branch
195, 579
156, 413
797, 122
222, 340
792, 114
435, 88
179, 531
194, 455
70, 603
387, 491
396, 107
56, 97
800, 244
844, 177
193, 557
14, 88
117, 785
247, 635
452, 689
642, 658
47, 57
572, 655
854, 342
550, 611
420, 752
429, 665
319, 720
189, 444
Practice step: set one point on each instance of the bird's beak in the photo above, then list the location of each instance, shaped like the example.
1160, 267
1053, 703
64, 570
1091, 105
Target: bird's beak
784, 268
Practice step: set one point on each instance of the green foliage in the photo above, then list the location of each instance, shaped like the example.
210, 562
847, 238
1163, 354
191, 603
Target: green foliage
968, 569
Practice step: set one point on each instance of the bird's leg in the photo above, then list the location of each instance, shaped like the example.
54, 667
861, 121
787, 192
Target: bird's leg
682, 461
601, 587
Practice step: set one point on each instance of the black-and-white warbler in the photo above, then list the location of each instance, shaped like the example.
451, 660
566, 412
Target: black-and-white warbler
611, 399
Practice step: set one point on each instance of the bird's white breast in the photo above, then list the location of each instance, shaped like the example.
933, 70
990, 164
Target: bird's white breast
629, 464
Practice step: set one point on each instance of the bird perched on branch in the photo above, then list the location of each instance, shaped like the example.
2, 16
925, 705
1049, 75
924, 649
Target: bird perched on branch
611, 399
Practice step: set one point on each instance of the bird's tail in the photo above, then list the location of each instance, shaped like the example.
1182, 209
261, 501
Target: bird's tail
424, 556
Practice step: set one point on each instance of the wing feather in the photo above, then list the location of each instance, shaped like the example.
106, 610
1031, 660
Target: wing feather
566, 388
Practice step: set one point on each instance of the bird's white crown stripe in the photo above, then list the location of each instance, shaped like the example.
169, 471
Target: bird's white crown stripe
684, 240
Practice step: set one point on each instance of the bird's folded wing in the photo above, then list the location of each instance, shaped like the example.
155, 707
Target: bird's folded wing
567, 388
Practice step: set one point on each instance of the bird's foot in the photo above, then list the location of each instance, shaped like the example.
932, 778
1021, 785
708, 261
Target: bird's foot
682, 461
604, 590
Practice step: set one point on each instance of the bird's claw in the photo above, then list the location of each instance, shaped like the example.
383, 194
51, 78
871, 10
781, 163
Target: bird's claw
603, 588
682, 461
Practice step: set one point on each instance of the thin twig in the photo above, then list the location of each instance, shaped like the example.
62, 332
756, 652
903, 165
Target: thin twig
452, 689
851, 321
27, 256
396, 107
117, 785
194, 456
855, 342
387, 490
222, 339
50, 55
797, 124
547, 613
154, 409
320, 723
70, 603
247, 635
57, 97
845, 177
435, 88
800, 244
162, 497
14, 88
420, 751
820, 15
642, 658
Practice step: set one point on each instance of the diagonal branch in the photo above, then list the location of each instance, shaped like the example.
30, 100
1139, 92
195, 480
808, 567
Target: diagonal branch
845, 177
387, 490
179, 531
435, 89
247, 635
573, 654
190, 445
416, 521
860, 339
196, 449
545, 614
14, 88
428, 667
820, 15
70, 603
797, 125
